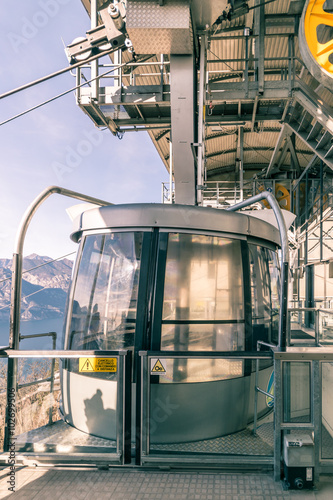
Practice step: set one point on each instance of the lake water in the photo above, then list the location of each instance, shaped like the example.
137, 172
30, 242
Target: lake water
33, 327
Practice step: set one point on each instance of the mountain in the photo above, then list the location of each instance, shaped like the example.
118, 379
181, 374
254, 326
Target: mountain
44, 287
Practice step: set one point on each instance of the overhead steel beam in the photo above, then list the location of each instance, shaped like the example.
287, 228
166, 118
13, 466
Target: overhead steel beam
276, 151
319, 152
223, 120
255, 105
283, 155
292, 149
219, 91
231, 168
312, 103
235, 150
259, 25
183, 124
225, 91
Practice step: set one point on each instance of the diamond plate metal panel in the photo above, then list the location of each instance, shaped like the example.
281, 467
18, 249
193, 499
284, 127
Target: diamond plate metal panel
155, 29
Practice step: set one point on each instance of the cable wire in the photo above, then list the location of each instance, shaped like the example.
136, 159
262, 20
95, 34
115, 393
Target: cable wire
41, 265
61, 95
56, 73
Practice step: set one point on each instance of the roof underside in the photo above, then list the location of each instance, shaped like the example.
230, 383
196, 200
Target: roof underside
271, 117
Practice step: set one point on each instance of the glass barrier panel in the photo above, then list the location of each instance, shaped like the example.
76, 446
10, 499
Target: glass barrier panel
326, 327
3, 399
327, 411
296, 392
206, 406
203, 337
63, 412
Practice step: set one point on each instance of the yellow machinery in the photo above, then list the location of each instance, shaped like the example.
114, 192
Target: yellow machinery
316, 43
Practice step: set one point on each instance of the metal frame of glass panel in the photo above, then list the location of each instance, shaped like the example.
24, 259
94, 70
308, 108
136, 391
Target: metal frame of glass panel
122, 454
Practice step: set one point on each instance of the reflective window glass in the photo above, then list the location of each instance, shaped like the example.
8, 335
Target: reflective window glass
105, 295
265, 289
203, 306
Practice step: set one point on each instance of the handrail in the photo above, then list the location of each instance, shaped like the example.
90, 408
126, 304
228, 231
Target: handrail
206, 354
260, 343
265, 195
18, 250
15, 306
317, 311
51, 377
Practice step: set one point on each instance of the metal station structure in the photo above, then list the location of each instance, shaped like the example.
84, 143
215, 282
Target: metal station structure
236, 97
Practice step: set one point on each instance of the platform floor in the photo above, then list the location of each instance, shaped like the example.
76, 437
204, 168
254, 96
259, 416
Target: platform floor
115, 484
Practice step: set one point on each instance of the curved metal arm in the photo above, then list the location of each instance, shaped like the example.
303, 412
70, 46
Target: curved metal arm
15, 311
265, 195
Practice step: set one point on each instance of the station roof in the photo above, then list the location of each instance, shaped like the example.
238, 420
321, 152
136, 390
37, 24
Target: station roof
258, 81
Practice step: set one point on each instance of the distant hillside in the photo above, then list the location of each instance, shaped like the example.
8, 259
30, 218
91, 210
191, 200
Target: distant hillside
44, 290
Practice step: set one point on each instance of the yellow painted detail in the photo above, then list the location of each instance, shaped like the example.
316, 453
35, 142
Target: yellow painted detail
158, 367
282, 196
314, 16
97, 365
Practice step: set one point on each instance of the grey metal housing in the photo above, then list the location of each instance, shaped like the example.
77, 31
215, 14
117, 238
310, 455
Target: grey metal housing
173, 216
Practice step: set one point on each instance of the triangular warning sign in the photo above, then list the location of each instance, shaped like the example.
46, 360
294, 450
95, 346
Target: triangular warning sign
86, 365
158, 367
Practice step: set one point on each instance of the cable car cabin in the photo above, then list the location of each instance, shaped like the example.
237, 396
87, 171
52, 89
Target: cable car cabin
172, 278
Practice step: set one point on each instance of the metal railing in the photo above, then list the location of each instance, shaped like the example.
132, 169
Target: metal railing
51, 377
122, 453
298, 375
257, 389
322, 323
149, 456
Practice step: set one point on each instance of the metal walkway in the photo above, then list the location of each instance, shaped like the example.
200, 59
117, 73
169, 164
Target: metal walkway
127, 484
61, 437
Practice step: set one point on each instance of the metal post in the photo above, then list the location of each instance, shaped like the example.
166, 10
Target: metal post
259, 23
256, 398
127, 407
201, 119
321, 208
170, 169
316, 403
54, 340
120, 409
241, 161
246, 66
317, 325
94, 64
144, 399
277, 417
183, 100
78, 85
290, 66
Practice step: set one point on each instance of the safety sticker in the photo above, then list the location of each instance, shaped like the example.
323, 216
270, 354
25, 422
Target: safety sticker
97, 365
157, 368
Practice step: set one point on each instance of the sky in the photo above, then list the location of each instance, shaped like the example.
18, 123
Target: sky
34, 148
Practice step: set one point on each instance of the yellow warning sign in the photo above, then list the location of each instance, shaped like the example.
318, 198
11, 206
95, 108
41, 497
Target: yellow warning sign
97, 365
158, 368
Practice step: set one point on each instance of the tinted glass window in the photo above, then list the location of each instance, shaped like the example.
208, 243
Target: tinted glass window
105, 295
265, 287
203, 296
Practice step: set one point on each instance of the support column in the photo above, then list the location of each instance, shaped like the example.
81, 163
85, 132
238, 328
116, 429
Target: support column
240, 160
201, 119
183, 126
259, 24
94, 64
